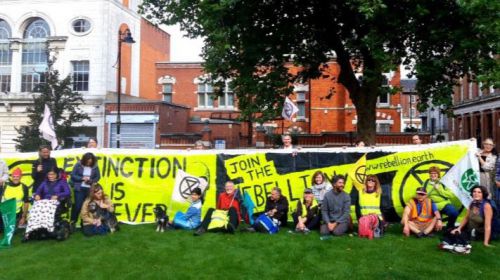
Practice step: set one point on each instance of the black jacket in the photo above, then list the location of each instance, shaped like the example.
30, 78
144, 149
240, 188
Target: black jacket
281, 205
39, 177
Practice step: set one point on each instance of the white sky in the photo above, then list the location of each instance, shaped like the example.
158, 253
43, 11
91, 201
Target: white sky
183, 49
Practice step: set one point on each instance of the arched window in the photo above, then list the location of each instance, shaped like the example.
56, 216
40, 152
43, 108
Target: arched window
35, 55
5, 56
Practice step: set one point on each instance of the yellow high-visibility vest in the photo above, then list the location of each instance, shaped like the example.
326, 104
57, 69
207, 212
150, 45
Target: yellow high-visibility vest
369, 203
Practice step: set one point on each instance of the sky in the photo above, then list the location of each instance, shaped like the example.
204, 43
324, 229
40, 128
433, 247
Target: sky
183, 49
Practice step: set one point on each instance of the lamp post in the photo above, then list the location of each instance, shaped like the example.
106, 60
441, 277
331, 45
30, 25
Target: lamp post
123, 37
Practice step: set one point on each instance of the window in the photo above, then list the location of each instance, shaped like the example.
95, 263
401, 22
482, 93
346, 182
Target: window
81, 26
34, 57
384, 99
413, 112
383, 127
5, 57
80, 75
413, 98
301, 104
167, 92
205, 95
227, 98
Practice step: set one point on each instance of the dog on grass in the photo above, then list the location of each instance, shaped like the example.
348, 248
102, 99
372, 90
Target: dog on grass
161, 218
107, 218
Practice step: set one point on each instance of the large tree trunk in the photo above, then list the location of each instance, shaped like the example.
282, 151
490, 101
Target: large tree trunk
366, 107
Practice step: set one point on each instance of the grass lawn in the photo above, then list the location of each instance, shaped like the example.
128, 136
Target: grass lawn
138, 252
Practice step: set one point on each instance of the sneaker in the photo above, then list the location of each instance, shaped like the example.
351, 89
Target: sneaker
420, 235
429, 235
307, 231
250, 229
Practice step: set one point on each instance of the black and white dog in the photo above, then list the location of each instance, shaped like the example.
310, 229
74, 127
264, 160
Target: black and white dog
161, 218
107, 218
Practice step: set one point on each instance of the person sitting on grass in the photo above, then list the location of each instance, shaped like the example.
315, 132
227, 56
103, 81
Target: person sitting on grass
441, 195
229, 202
371, 221
335, 209
14, 188
320, 186
192, 218
92, 212
421, 216
306, 217
53, 187
478, 222
276, 211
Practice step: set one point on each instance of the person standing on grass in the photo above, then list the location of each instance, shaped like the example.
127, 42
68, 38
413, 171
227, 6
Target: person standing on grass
306, 217
92, 222
192, 218
479, 223
441, 196
335, 209
227, 201
320, 186
41, 167
421, 216
85, 173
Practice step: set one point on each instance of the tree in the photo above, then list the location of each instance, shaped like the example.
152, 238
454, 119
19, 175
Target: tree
64, 106
251, 42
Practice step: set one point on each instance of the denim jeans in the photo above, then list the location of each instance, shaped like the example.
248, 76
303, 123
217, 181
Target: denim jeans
452, 213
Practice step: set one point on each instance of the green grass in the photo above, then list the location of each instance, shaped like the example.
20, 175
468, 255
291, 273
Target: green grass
138, 252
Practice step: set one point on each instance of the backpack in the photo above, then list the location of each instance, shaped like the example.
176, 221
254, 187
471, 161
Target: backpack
369, 226
266, 224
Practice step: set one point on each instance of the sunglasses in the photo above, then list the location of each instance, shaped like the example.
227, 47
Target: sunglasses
371, 180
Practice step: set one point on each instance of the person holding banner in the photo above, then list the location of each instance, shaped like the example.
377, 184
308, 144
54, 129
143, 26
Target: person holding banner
441, 195
335, 209
306, 217
487, 158
478, 222
41, 167
92, 143
14, 188
85, 173
319, 186
92, 219
421, 216
192, 218
227, 217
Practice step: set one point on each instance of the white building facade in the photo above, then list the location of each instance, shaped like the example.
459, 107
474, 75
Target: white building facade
83, 36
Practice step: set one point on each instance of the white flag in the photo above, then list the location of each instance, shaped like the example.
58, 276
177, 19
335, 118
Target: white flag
289, 109
47, 128
462, 177
185, 184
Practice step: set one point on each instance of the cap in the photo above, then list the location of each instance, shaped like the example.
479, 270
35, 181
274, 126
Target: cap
421, 190
308, 190
17, 172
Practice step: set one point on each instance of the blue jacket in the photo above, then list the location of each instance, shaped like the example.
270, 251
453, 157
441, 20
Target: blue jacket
60, 188
191, 219
77, 176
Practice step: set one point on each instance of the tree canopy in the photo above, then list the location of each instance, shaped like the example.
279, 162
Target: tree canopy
250, 41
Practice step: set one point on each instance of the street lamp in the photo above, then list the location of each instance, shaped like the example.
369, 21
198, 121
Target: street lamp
123, 37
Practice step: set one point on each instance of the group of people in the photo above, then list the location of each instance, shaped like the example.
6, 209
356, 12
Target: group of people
324, 206
51, 183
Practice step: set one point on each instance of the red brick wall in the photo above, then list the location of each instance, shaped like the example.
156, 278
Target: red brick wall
155, 46
228, 132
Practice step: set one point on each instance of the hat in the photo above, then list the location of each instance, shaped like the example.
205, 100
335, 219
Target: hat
421, 190
308, 190
17, 172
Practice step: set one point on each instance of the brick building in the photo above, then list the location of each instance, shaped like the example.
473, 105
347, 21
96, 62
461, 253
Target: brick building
477, 112
324, 106
83, 36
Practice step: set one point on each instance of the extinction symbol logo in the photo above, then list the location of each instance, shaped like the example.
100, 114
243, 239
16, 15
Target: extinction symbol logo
360, 174
288, 110
468, 179
187, 185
